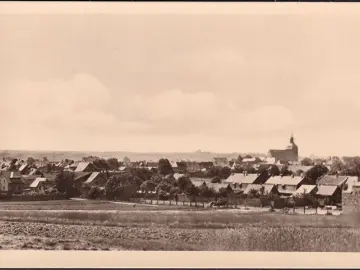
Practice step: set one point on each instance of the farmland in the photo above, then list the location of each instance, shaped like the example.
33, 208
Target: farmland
100, 226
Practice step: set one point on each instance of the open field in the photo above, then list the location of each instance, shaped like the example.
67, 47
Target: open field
159, 228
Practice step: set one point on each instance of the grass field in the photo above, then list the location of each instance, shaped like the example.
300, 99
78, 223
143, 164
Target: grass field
60, 225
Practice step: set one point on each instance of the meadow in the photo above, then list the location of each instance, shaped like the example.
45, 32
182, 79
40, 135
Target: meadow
159, 228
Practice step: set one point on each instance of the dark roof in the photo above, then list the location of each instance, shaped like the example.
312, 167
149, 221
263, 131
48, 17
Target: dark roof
332, 180
284, 155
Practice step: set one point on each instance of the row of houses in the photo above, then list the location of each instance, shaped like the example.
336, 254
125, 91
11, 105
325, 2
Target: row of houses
328, 188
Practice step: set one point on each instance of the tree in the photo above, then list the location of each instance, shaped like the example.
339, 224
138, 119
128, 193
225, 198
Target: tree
64, 183
142, 173
101, 164
127, 161
274, 170
299, 172
30, 161
285, 171
315, 172
184, 183
258, 160
248, 156
205, 191
307, 162
225, 172
45, 159
216, 179
148, 186
164, 167
163, 186
94, 193
192, 190
253, 193
122, 186
156, 179
48, 168
239, 159
222, 192
112, 163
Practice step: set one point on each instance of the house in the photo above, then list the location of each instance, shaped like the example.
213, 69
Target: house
174, 166
349, 185
290, 154
332, 180
34, 171
27, 180
41, 184
24, 169
217, 186
85, 167
328, 195
96, 178
15, 184
242, 180
4, 184
261, 189
287, 185
306, 189
198, 181
80, 178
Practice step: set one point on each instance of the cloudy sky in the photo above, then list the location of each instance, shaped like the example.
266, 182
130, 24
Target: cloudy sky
180, 82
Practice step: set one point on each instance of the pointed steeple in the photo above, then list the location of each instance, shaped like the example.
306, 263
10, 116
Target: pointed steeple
292, 138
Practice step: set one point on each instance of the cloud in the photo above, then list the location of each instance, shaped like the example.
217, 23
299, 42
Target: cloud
75, 106
82, 113
176, 111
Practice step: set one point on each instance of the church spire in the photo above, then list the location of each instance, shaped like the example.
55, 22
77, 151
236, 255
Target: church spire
292, 138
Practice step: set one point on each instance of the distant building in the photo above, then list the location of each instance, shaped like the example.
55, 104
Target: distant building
288, 155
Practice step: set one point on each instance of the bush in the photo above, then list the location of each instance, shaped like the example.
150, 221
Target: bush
216, 179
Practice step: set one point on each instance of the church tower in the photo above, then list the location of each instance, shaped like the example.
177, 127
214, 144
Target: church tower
292, 145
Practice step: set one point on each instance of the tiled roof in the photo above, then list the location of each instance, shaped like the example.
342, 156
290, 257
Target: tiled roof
23, 167
82, 166
304, 188
37, 181
241, 178
267, 188
217, 186
326, 190
332, 180
92, 177
284, 180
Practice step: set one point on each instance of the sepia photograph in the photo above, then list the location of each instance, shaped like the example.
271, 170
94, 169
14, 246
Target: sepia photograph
189, 127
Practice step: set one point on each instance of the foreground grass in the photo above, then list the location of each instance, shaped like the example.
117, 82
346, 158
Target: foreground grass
161, 229
246, 238
180, 219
